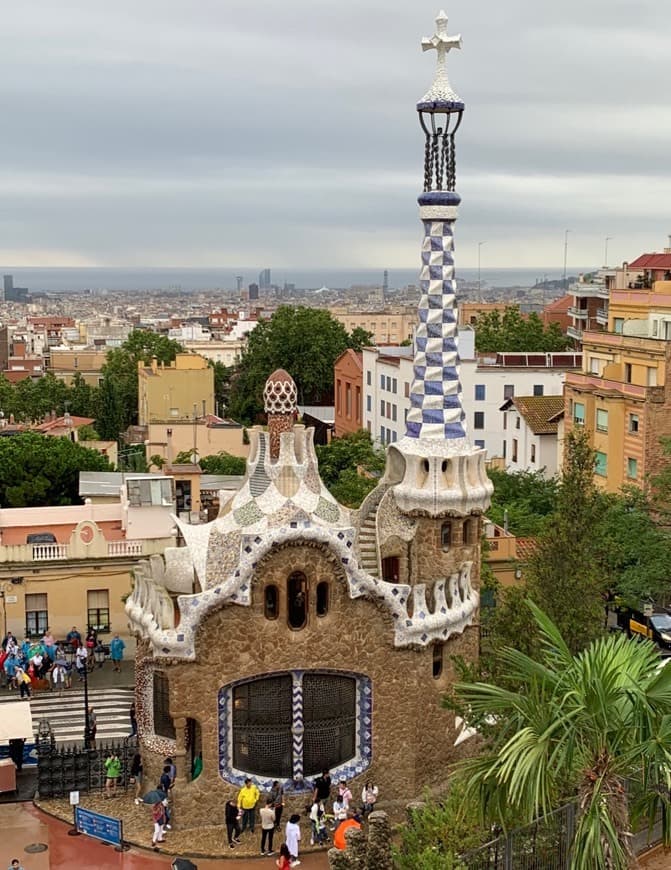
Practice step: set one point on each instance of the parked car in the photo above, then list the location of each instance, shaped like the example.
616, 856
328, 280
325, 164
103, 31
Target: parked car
656, 627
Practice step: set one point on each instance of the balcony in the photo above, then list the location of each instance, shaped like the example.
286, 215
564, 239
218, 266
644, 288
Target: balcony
588, 291
594, 383
602, 316
96, 549
578, 313
574, 332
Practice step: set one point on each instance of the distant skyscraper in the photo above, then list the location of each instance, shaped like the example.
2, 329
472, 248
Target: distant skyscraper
385, 283
253, 292
264, 278
239, 279
8, 286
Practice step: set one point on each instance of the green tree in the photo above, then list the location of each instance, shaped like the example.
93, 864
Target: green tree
338, 463
305, 342
360, 338
223, 463
82, 398
87, 433
565, 574
222, 385
577, 726
119, 384
37, 470
514, 332
525, 499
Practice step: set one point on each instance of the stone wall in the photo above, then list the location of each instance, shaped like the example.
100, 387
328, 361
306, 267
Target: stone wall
412, 736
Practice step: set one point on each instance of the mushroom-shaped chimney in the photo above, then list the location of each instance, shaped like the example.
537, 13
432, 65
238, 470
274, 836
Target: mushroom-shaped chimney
280, 403
440, 111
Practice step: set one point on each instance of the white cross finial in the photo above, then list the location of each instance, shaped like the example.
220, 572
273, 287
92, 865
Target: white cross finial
442, 43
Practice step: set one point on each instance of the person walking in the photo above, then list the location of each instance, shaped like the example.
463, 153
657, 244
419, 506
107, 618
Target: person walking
248, 797
322, 789
232, 818
80, 661
277, 797
22, 681
117, 646
135, 774
292, 835
159, 819
267, 815
284, 861
112, 772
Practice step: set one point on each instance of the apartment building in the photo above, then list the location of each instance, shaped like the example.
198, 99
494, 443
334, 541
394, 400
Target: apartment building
622, 395
348, 388
390, 326
66, 362
183, 390
531, 427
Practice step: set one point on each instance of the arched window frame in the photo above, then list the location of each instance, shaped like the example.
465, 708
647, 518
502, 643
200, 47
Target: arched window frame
271, 611
297, 584
322, 598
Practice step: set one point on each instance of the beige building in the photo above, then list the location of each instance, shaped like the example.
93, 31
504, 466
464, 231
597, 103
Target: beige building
391, 326
183, 390
64, 363
207, 436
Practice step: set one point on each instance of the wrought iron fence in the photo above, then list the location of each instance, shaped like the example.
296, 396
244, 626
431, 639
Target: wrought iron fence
62, 769
543, 845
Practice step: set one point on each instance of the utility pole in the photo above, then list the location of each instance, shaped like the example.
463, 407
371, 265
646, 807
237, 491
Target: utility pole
605, 259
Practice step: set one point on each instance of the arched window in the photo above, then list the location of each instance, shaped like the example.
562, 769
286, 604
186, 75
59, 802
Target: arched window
259, 717
163, 724
271, 608
470, 532
297, 600
390, 569
437, 660
446, 536
322, 598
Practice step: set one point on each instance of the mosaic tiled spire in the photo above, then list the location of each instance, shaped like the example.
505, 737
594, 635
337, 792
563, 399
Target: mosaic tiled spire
436, 410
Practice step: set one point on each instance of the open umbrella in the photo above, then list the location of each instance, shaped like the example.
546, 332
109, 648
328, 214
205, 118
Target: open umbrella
154, 796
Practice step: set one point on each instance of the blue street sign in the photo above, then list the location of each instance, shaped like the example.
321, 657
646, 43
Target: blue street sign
104, 828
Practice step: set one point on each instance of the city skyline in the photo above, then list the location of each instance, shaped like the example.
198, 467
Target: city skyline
147, 134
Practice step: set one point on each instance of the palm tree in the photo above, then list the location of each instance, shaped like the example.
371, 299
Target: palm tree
576, 727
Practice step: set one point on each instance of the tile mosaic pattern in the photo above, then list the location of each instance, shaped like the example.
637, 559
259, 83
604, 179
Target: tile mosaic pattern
436, 410
353, 767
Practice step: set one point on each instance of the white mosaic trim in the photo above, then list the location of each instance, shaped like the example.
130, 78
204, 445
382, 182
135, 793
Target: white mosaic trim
439, 212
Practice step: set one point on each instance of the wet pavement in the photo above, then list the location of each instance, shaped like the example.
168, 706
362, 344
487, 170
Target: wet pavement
23, 825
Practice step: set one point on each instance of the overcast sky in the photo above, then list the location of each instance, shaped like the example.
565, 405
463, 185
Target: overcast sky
284, 133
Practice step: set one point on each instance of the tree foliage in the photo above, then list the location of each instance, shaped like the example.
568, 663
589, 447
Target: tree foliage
525, 499
338, 463
565, 574
514, 332
305, 342
38, 470
223, 463
576, 726
118, 389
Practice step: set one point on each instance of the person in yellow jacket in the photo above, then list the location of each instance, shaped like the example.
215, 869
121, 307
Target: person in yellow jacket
248, 797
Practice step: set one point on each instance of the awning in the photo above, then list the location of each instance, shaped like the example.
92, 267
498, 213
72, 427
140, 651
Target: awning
15, 721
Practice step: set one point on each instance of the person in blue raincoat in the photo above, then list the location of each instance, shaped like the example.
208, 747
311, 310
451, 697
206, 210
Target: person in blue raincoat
117, 646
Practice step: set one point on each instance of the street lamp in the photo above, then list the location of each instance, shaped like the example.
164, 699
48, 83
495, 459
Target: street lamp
87, 728
480, 244
605, 259
566, 232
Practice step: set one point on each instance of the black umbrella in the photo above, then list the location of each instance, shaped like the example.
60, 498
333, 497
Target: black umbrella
183, 864
154, 796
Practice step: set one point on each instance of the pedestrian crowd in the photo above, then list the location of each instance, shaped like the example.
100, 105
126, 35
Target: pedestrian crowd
22, 663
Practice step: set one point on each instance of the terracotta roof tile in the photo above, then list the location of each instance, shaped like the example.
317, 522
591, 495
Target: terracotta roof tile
652, 261
538, 412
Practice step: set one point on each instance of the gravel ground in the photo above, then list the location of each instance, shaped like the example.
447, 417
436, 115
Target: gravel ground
206, 842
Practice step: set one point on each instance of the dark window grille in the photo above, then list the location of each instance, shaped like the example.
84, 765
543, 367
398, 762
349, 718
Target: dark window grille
262, 740
163, 724
329, 720
37, 622
446, 536
271, 602
99, 618
437, 660
322, 598
297, 604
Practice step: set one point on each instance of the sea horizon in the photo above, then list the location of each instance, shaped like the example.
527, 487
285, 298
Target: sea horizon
77, 279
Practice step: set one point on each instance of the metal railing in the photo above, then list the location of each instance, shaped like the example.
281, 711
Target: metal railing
62, 769
49, 552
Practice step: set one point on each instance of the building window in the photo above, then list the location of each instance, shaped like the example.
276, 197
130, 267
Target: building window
479, 420
600, 463
517, 422
479, 443
388, 384
651, 376
348, 400
394, 385
601, 420
618, 325
322, 598
393, 413
163, 724
578, 413
532, 453
514, 457
505, 450
538, 389
37, 616
394, 436
470, 532
338, 393
446, 536
271, 604
381, 434
437, 660
262, 717
297, 600
390, 569
632, 468
388, 414
480, 392
358, 404
368, 377
627, 373
407, 390
98, 609
382, 382
508, 391
381, 407
594, 365
150, 492
633, 422
369, 403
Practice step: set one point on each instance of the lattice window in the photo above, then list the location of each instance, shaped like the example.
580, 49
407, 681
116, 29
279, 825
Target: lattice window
163, 724
329, 720
262, 726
